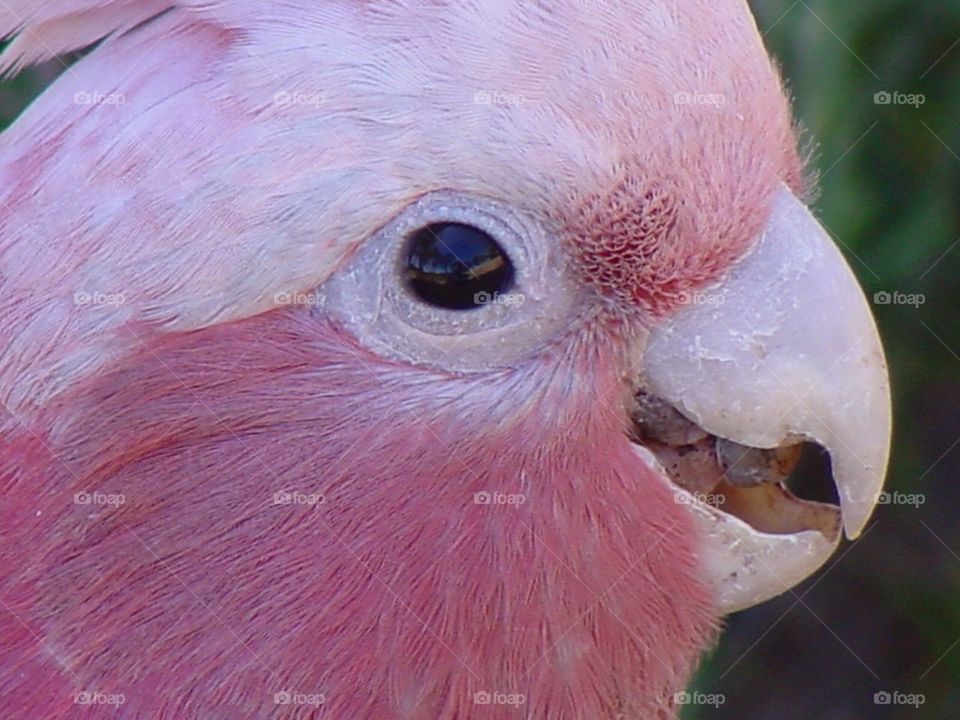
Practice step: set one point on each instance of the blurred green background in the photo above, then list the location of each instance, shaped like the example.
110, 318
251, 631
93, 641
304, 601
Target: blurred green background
884, 616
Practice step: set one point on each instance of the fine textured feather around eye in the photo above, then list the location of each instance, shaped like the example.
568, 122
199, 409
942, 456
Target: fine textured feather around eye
282, 138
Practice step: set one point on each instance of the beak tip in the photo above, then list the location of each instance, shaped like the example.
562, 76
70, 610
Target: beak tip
792, 351
857, 511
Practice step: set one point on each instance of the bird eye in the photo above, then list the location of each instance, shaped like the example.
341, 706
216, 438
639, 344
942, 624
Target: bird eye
455, 282
456, 266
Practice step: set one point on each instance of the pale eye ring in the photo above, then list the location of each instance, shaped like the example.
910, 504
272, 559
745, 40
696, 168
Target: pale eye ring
456, 282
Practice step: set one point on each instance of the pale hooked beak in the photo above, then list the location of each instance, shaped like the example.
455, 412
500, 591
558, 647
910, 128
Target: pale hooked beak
783, 350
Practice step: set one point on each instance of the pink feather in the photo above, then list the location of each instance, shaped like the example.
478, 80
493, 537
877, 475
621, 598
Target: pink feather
45, 30
197, 196
398, 596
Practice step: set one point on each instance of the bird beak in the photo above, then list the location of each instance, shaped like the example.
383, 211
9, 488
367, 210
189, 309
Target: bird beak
784, 350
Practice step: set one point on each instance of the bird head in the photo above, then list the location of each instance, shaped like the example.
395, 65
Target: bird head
434, 355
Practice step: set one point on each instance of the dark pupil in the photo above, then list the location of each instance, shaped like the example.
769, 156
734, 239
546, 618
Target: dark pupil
456, 266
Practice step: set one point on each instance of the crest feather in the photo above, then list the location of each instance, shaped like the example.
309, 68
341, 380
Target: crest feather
42, 31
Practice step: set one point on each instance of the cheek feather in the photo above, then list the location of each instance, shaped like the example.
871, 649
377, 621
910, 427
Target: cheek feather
399, 577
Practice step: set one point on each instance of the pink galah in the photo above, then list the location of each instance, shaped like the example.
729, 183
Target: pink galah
347, 349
